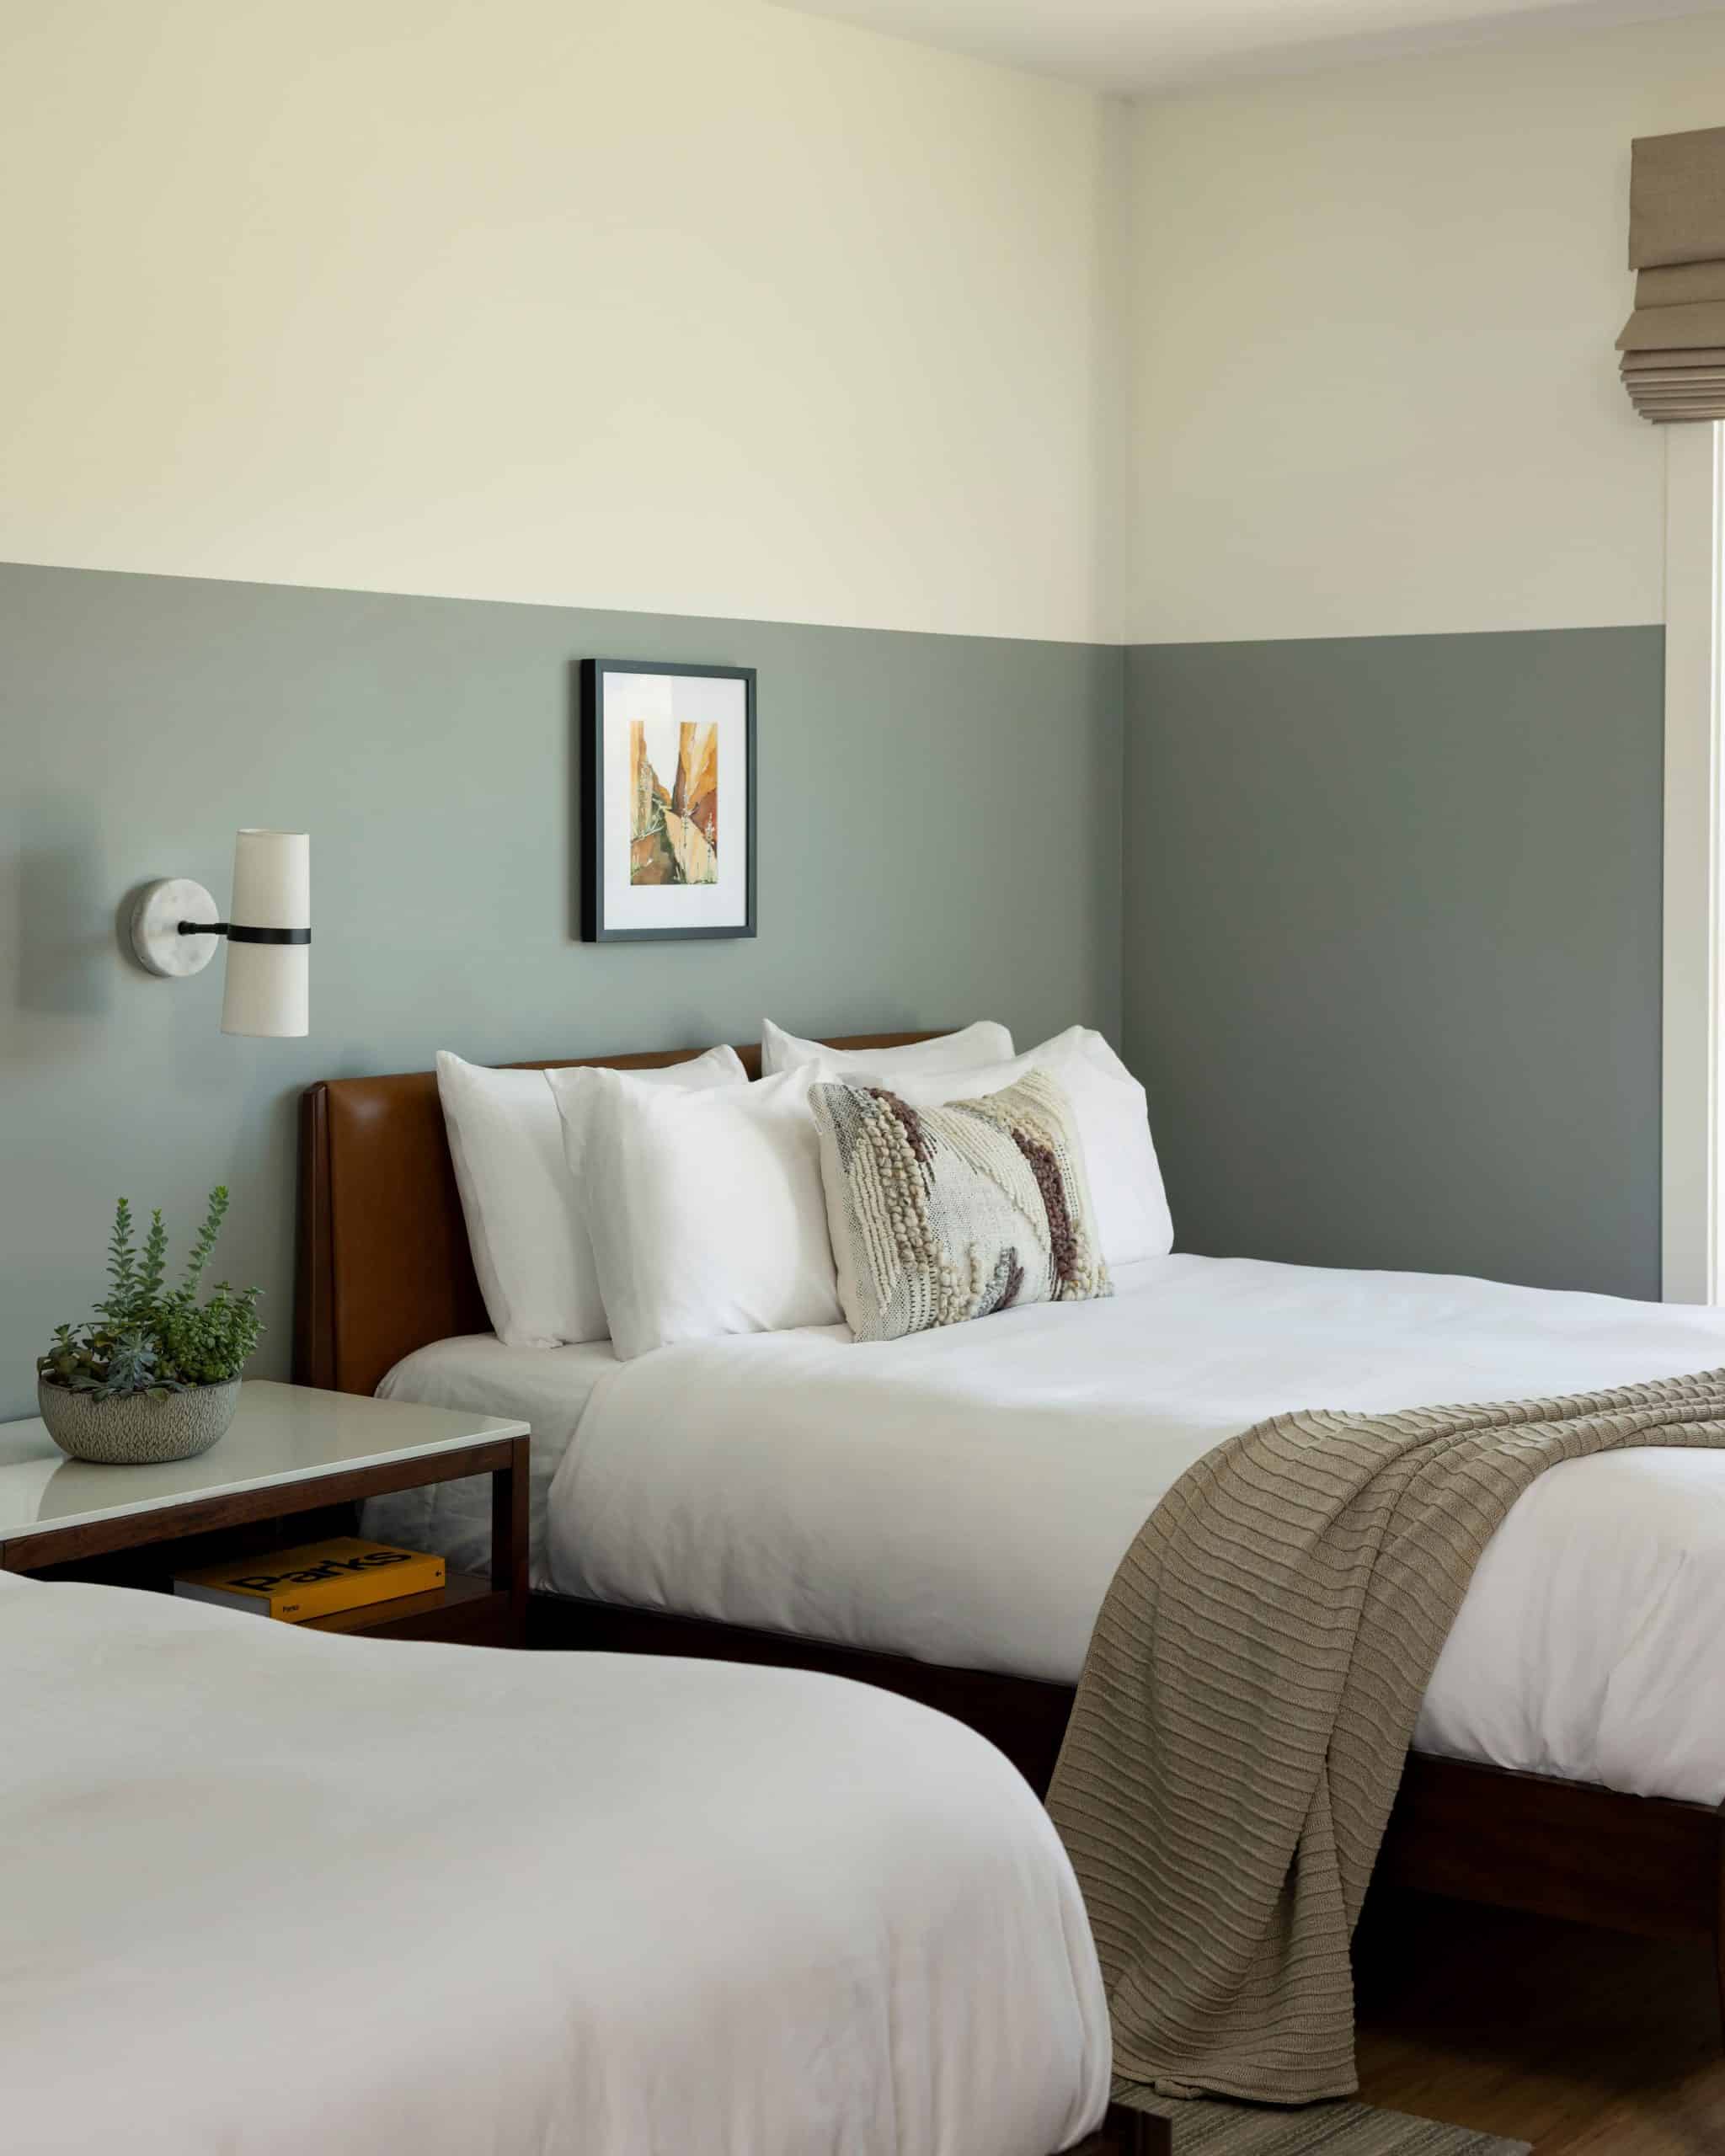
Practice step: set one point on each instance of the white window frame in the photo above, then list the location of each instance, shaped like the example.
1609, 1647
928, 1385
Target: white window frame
1692, 1265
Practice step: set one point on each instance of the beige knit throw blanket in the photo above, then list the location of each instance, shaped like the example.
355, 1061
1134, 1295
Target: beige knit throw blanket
1247, 1705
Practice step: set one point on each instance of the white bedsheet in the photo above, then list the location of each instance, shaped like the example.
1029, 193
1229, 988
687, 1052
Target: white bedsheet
964, 1496
264, 1891
546, 1388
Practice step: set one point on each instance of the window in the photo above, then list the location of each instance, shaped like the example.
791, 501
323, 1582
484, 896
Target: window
1693, 1265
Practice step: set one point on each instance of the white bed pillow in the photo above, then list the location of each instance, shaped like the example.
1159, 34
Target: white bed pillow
526, 1225
1128, 1202
984, 1043
706, 1208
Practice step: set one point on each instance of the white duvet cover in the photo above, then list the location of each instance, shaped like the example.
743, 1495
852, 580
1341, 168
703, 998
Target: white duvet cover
264, 1891
964, 1496
549, 1386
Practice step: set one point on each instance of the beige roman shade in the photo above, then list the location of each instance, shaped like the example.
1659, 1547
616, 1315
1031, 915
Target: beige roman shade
1674, 344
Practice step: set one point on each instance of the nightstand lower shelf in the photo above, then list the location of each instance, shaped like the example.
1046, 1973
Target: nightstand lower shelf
466, 1608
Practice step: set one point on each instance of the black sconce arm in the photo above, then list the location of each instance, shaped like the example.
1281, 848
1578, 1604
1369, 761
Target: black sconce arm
245, 934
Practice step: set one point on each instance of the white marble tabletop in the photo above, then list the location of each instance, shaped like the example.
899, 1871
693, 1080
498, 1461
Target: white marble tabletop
281, 1433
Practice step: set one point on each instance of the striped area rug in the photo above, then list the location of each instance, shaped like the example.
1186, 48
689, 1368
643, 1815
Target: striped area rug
1211, 2127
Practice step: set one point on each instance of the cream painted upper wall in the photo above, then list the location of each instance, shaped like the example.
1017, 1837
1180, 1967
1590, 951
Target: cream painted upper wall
688, 306
1373, 390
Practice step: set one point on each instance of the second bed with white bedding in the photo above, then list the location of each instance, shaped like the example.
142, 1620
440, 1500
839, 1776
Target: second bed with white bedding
964, 1496
268, 1890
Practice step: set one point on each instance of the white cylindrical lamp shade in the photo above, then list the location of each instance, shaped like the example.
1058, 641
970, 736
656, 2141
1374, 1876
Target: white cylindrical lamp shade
268, 987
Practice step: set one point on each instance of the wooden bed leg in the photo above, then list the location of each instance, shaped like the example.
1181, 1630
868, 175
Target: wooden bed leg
1126, 2132
1142, 2133
1719, 1926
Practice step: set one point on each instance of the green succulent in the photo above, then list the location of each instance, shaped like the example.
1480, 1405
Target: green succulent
145, 1338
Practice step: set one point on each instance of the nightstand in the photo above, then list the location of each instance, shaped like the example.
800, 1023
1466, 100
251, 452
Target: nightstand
294, 1464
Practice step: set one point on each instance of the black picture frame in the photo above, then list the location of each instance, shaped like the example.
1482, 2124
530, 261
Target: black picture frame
594, 926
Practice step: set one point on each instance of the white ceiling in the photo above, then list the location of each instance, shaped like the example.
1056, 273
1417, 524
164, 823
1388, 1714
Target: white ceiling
1150, 44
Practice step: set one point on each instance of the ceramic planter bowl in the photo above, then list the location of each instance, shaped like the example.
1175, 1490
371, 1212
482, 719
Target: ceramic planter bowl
134, 1430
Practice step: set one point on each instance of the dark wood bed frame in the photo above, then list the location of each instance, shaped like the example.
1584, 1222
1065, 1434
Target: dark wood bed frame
383, 1268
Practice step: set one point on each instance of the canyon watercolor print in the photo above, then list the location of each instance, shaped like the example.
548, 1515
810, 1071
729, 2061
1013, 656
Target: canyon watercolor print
659, 862
673, 802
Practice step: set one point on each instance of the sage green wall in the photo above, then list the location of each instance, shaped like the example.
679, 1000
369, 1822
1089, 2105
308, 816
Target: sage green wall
1390, 917
1392, 948
940, 839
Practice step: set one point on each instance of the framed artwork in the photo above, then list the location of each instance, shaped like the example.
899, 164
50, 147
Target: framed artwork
667, 801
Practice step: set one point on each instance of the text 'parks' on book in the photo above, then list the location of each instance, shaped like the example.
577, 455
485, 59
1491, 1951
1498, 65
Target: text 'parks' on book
314, 1579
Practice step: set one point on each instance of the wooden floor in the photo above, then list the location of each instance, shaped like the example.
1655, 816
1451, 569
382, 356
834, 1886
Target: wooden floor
1571, 2039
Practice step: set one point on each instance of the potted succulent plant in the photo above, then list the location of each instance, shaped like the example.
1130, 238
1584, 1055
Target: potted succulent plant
153, 1374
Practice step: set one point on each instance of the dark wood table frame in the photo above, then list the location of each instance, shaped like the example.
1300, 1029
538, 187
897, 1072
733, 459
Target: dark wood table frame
480, 1611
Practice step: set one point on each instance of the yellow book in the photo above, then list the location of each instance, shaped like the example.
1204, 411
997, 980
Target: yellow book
314, 1578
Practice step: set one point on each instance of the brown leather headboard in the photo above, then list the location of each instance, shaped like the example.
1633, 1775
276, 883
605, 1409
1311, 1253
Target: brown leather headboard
382, 1265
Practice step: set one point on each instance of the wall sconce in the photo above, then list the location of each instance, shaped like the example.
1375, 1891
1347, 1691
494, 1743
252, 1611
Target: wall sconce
175, 927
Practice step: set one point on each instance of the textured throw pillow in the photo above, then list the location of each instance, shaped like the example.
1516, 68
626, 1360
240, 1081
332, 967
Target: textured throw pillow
938, 1215
1114, 1127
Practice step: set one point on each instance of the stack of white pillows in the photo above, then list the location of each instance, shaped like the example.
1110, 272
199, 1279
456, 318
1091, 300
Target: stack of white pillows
687, 1202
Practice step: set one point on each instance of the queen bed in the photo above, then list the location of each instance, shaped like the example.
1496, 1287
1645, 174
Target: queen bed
267, 1889
942, 1513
